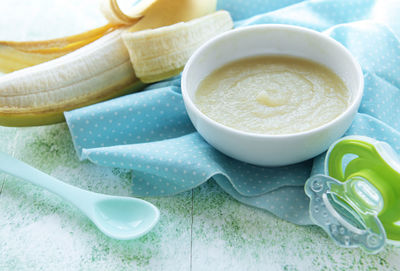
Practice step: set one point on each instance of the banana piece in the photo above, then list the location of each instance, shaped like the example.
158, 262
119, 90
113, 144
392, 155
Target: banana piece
161, 53
40, 94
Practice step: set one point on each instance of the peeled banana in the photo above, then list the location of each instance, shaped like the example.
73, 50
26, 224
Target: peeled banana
40, 94
102, 69
146, 14
160, 53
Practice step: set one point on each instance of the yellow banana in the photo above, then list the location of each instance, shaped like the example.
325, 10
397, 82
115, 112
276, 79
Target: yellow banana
146, 14
98, 71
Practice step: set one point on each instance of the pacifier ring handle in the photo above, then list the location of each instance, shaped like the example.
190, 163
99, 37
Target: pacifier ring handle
329, 211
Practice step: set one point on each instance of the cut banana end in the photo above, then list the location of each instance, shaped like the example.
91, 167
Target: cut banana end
160, 53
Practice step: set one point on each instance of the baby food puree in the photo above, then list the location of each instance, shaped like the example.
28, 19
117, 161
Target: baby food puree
272, 95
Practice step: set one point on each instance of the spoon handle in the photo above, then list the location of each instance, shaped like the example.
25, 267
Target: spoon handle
24, 171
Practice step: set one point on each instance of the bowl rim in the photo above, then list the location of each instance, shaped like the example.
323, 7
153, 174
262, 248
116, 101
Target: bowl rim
354, 105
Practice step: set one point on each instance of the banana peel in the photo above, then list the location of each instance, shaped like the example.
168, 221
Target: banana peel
18, 55
167, 12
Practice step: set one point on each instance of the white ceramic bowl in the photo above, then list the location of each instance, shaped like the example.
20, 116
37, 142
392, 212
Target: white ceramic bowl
271, 150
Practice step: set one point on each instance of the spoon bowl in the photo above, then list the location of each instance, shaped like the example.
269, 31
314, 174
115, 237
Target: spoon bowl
117, 217
124, 218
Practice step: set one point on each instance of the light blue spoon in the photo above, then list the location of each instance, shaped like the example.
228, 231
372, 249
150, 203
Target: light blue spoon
118, 217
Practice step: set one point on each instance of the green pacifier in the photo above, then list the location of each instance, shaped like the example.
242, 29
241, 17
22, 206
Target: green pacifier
357, 201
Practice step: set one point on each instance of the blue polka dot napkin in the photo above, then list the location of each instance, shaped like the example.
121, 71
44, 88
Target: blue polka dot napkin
150, 133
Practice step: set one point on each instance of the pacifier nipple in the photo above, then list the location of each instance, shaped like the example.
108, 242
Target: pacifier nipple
367, 197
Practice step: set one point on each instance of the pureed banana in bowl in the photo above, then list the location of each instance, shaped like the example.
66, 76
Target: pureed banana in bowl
272, 95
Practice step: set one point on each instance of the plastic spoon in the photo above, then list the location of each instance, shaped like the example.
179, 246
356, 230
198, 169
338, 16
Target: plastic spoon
118, 217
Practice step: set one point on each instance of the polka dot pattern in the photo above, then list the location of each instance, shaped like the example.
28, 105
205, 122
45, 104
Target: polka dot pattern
242, 9
317, 15
150, 132
380, 61
175, 165
138, 118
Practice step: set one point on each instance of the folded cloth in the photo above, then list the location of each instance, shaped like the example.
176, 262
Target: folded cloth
150, 132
